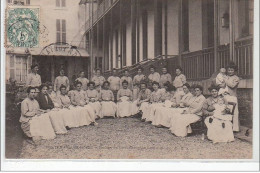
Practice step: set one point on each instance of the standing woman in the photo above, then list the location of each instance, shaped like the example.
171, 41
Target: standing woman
93, 97
219, 124
193, 113
165, 77
98, 79
83, 80
156, 100
136, 82
153, 76
114, 81
180, 79
127, 78
124, 97
61, 80
232, 82
108, 107
33, 78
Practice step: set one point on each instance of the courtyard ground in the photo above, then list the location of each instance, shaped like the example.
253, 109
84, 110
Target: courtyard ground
129, 138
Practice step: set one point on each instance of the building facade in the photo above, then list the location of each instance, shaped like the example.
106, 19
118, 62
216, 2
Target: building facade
58, 27
199, 35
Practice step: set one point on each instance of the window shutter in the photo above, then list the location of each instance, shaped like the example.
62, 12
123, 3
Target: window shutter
57, 3
58, 39
28, 2
64, 31
63, 3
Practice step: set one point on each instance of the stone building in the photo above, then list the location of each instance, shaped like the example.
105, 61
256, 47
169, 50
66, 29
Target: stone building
59, 24
199, 35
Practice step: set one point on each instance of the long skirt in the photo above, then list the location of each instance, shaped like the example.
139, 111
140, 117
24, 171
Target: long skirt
219, 130
84, 115
124, 107
96, 106
180, 126
108, 109
70, 116
39, 126
149, 111
58, 125
165, 116
236, 122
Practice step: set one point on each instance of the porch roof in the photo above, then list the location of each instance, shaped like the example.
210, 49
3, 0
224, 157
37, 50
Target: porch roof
76, 52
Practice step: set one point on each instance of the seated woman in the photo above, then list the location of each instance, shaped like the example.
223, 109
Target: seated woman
108, 107
93, 98
53, 96
79, 100
35, 123
124, 98
180, 125
68, 111
46, 103
142, 101
170, 99
156, 100
177, 103
218, 121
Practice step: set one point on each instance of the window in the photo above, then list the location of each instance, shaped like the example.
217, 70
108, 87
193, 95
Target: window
208, 23
18, 68
245, 17
185, 24
60, 3
61, 31
20, 2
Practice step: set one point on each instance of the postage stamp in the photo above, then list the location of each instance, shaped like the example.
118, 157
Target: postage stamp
23, 27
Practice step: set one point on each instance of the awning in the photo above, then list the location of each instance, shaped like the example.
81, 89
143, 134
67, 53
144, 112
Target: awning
76, 52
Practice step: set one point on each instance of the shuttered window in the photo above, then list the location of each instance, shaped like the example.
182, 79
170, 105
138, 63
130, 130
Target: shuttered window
60, 3
19, 68
60, 31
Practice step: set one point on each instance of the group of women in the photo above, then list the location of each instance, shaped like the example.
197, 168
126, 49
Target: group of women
159, 100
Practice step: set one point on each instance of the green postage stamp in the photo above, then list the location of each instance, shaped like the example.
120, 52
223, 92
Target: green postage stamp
22, 27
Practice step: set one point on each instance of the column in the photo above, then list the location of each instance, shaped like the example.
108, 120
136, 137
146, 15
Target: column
133, 30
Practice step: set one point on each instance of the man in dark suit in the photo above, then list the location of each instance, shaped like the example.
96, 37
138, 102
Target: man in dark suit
44, 99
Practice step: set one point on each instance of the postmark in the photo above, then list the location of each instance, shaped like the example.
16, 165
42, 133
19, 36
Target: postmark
23, 27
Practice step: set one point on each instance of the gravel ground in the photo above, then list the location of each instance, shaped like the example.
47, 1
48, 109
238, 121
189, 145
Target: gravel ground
129, 138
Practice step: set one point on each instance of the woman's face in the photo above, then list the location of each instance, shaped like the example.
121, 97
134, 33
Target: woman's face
214, 93
178, 72
78, 87
82, 74
98, 73
192, 90
125, 85
91, 86
139, 71
44, 90
164, 70
35, 69
126, 73
143, 87
63, 91
62, 73
31, 94
152, 70
155, 87
185, 89
231, 71
106, 85
50, 89
197, 91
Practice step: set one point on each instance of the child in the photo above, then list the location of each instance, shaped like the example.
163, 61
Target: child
108, 107
220, 80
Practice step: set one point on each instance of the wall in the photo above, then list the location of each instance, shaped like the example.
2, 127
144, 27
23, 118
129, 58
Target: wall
49, 13
150, 33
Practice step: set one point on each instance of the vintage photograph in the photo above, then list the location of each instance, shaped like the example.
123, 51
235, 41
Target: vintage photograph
128, 79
